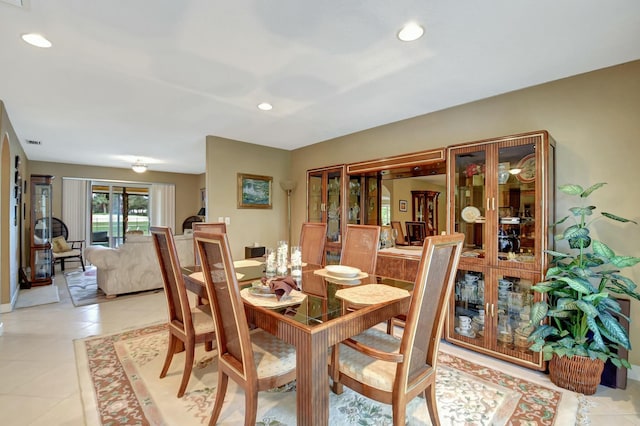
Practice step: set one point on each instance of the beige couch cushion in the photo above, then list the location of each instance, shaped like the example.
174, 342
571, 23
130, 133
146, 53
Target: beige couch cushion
134, 265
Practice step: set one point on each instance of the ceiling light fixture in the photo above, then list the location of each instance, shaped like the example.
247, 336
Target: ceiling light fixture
410, 32
139, 167
37, 40
265, 106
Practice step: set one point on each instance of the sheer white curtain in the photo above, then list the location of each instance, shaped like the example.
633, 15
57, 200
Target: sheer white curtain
75, 194
163, 205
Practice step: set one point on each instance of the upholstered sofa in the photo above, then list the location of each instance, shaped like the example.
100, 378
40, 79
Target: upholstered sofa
134, 265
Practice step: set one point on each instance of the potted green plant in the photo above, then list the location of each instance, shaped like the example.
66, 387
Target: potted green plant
582, 330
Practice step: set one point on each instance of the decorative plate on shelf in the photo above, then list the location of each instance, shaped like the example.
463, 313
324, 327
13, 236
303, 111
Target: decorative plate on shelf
470, 214
527, 168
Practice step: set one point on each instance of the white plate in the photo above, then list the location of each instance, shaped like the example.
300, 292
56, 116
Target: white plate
342, 271
468, 333
261, 291
470, 214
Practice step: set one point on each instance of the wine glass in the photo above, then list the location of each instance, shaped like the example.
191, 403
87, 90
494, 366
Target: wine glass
394, 237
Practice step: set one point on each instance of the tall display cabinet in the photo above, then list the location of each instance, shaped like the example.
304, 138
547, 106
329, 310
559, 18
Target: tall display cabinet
326, 197
40, 268
424, 206
500, 195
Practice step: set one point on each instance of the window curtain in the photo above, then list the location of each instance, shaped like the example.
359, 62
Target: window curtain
163, 205
74, 207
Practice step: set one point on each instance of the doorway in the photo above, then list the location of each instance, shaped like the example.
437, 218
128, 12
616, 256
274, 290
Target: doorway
118, 210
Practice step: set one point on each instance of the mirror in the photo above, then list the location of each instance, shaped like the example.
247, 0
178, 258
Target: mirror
404, 188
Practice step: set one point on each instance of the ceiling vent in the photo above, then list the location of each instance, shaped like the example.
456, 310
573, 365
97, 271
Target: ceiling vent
32, 142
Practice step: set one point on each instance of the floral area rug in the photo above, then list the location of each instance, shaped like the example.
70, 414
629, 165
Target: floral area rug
83, 288
120, 384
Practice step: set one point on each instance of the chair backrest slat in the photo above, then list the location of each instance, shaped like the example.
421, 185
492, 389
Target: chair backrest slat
210, 227
360, 247
232, 330
416, 231
173, 281
431, 293
312, 239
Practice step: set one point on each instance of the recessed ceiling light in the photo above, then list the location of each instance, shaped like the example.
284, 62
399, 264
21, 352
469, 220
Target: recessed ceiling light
410, 32
36, 40
265, 106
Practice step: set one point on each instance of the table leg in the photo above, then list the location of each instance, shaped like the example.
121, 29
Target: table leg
312, 379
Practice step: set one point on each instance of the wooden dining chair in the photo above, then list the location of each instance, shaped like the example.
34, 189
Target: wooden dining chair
187, 326
312, 238
216, 227
360, 247
400, 238
394, 371
255, 360
416, 232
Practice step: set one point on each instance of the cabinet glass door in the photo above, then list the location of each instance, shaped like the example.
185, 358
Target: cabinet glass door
314, 199
334, 185
469, 200
470, 317
354, 209
513, 298
41, 212
41, 265
515, 222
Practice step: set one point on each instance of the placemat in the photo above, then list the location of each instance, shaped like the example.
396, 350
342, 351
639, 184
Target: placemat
295, 298
371, 294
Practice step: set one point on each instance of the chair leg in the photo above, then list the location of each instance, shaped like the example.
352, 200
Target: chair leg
399, 413
62, 265
432, 406
208, 345
334, 370
223, 380
188, 366
82, 263
250, 406
171, 349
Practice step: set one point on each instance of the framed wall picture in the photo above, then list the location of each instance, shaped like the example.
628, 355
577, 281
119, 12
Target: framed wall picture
254, 191
403, 205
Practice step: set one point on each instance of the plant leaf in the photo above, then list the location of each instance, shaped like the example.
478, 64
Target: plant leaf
538, 312
618, 218
597, 342
586, 307
592, 188
571, 189
624, 261
578, 284
614, 329
603, 250
579, 211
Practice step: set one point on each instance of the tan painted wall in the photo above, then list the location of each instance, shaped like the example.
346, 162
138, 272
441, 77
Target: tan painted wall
227, 158
187, 185
10, 235
593, 118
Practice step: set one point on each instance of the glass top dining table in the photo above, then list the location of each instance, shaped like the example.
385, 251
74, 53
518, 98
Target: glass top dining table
313, 322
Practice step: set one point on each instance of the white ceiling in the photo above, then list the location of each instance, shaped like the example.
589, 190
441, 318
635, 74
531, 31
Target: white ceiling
150, 79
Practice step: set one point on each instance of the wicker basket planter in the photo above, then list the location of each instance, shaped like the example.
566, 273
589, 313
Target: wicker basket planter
577, 373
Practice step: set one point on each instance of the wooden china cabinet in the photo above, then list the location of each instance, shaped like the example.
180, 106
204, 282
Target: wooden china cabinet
326, 197
40, 268
500, 195
425, 209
